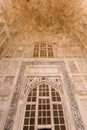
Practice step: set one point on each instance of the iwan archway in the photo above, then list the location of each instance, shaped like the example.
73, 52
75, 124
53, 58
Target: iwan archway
18, 107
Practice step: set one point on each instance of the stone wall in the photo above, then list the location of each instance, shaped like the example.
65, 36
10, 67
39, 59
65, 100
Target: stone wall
10, 71
68, 39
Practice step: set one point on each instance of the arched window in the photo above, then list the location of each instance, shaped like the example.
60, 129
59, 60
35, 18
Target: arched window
43, 50
44, 109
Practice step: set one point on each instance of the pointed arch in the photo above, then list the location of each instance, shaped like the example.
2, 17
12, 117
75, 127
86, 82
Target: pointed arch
57, 86
44, 108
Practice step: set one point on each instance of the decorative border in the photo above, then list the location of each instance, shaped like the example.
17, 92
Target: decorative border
31, 80
14, 103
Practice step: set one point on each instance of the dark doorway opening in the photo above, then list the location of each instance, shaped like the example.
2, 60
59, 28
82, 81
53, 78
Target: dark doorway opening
44, 129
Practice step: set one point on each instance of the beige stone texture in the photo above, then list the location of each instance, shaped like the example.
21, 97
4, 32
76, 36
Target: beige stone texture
61, 23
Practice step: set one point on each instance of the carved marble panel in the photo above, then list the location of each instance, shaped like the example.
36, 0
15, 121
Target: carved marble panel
72, 67
3, 66
9, 80
41, 70
14, 103
78, 85
12, 69
82, 66
31, 80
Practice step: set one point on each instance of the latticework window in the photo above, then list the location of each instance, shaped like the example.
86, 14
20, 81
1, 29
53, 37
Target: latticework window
43, 50
44, 109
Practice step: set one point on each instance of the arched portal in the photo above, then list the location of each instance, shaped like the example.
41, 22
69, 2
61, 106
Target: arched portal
44, 109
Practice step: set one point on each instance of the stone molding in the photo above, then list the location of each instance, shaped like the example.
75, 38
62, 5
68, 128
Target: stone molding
14, 103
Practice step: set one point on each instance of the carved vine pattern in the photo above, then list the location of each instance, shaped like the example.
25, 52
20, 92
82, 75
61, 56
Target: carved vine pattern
32, 80
14, 103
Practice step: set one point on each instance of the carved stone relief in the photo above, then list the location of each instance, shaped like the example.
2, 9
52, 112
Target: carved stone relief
14, 103
4, 92
9, 80
55, 80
